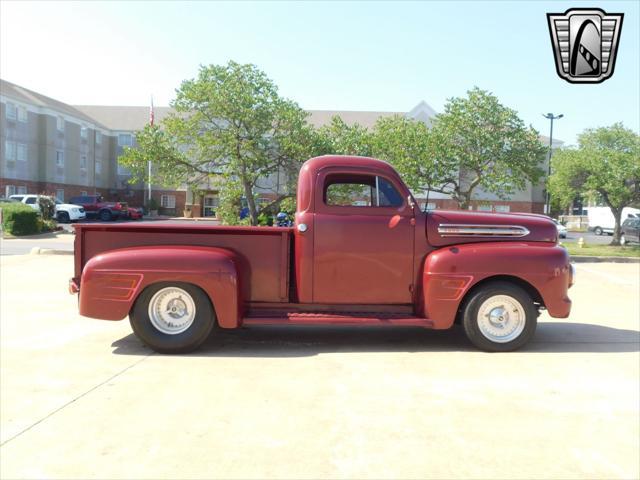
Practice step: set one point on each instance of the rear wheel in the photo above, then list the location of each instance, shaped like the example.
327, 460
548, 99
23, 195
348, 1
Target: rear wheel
63, 217
499, 317
105, 215
172, 317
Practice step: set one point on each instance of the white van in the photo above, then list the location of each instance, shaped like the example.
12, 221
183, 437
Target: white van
601, 218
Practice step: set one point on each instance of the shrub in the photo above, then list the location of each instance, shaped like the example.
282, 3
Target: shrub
47, 207
19, 219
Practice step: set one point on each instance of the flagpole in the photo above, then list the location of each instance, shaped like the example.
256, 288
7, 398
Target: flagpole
149, 162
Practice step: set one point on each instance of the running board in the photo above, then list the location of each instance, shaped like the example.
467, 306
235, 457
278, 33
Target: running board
351, 319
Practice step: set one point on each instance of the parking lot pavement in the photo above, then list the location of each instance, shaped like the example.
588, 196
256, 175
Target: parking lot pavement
589, 237
23, 245
82, 398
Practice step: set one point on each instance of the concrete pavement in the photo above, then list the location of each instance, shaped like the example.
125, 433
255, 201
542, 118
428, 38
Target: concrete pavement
589, 237
82, 398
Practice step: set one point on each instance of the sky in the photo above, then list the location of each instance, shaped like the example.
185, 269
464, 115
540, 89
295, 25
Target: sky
379, 56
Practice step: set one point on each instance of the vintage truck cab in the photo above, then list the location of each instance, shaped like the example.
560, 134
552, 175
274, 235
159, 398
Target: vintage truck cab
360, 253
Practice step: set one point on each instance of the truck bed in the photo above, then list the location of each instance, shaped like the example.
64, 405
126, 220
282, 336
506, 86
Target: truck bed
264, 251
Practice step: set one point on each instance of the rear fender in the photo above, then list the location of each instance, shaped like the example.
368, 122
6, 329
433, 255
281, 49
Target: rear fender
449, 274
112, 281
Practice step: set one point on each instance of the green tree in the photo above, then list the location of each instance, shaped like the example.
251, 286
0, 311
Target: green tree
171, 168
229, 122
605, 163
479, 143
406, 144
339, 138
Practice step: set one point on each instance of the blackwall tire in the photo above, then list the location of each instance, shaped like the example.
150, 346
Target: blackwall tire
105, 215
63, 217
172, 317
499, 317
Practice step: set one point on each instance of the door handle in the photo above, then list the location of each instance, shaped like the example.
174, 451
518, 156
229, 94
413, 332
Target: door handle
302, 227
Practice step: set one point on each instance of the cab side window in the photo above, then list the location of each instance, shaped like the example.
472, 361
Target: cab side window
347, 190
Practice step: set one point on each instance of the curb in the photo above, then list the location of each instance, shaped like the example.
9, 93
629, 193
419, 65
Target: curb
49, 251
587, 259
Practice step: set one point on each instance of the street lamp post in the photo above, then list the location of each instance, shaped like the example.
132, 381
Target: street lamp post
551, 117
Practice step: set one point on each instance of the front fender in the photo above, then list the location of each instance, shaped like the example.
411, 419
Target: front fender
449, 273
112, 281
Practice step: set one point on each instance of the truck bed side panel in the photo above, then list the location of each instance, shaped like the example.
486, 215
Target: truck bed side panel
263, 252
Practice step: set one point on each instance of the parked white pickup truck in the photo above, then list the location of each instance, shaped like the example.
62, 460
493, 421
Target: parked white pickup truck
65, 212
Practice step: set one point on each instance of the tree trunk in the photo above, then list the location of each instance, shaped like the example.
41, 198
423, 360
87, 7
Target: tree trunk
617, 214
464, 201
251, 203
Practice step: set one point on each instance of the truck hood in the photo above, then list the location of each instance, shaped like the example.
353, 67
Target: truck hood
456, 227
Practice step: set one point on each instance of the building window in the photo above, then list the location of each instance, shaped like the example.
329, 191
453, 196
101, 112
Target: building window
22, 190
9, 150
83, 162
9, 190
60, 159
60, 123
60, 194
21, 152
485, 208
503, 208
168, 201
83, 131
125, 140
10, 112
98, 166
22, 114
98, 137
122, 170
83, 193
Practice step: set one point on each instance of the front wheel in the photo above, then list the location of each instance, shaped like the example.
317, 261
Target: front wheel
172, 317
63, 217
499, 317
597, 231
105, 215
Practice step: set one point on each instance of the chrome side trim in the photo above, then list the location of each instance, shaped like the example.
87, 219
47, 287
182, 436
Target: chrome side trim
467, 230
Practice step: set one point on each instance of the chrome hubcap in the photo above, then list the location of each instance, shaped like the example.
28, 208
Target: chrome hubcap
172, 310
501, 318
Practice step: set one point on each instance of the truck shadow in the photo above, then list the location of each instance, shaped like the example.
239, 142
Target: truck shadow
289, 341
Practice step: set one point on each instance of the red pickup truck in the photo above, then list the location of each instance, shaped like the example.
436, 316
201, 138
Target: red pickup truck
360, 253
94, 205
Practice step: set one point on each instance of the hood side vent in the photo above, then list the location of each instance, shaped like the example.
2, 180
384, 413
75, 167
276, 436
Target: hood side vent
467, 230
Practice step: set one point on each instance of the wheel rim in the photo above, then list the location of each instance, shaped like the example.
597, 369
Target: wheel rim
172, 310
501, 318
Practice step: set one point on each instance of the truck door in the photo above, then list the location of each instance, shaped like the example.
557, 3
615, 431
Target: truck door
363, 240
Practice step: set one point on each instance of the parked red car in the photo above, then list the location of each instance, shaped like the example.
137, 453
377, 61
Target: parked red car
135, 213
95, 206
360, 253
